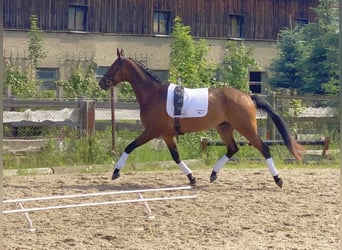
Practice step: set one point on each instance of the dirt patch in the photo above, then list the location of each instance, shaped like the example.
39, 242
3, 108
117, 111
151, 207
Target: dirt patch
243, 209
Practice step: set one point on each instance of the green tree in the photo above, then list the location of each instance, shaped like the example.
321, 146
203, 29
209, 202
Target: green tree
36, 50
286, 68
189, 67
189, 64
19, 81
320, 65
308, 58
237, 62
82, 83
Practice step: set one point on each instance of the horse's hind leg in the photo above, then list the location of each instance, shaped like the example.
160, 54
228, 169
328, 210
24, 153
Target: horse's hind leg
225, 131
265, 150
255, 141
172, 146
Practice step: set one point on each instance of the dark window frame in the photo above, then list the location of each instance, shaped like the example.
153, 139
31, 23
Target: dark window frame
256, 79
161, 21
48, 83
300, 23
240, 20
162, 74
100, 71
75, 12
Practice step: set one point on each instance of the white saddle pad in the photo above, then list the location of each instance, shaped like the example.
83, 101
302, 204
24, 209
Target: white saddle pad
195, 102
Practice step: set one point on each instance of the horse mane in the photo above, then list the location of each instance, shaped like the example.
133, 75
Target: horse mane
147, 70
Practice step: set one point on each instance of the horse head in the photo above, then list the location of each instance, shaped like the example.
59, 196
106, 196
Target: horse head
114, 74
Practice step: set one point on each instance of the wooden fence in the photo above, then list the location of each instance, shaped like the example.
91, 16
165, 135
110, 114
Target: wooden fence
81, 114
88, 115
323, 142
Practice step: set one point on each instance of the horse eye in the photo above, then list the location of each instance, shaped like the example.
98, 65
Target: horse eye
108, 82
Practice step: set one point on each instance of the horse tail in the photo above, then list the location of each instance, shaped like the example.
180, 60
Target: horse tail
293, 146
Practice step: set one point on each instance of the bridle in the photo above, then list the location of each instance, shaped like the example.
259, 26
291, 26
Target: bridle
109, 79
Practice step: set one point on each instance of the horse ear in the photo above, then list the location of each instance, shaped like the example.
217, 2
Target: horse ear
122, 52
118, 53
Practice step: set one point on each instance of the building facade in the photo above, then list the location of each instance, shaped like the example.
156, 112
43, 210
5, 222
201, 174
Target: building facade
82, 31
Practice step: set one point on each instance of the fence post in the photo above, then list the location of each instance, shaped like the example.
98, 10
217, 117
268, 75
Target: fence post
87, 117
204, 145
14, 129
112, 106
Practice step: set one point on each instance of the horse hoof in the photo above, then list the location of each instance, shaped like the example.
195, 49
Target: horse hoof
193, 181
115, 175
213, 178
278, 181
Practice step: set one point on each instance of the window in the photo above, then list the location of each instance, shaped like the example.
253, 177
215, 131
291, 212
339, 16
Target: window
236, 25
100, 71
162, 74
48, 77
161, 22
77, 17
300, 22
255, 81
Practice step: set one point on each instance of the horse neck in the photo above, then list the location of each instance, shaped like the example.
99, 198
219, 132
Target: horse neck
144, 86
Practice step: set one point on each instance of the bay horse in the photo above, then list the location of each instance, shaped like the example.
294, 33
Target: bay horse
228, 109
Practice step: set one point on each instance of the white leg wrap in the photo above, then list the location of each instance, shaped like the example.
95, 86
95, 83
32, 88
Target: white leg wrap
122, 161
186, 170
220, 163
271, 167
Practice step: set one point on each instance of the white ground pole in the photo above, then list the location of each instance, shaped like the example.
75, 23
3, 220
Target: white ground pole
139, 192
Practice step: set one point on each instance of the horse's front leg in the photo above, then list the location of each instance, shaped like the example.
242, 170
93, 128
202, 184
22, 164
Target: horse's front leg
142, 139
172, 146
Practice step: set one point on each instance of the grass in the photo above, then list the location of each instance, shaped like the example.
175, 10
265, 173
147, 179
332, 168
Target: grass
77, 151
